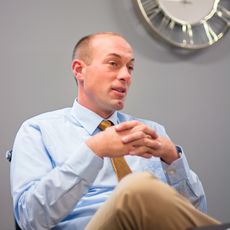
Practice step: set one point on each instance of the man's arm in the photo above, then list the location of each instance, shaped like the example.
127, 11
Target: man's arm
43, 192
136, 138
174, 164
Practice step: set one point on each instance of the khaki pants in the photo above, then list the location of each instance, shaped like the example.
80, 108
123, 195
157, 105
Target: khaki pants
142, 202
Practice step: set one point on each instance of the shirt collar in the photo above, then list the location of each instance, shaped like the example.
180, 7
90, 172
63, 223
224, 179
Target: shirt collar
88, 119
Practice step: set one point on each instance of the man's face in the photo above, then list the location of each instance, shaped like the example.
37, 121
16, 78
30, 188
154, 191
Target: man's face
105, 81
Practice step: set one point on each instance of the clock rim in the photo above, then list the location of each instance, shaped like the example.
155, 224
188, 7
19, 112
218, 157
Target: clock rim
155, 33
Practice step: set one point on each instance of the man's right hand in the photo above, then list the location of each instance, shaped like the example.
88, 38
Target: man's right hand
109, 143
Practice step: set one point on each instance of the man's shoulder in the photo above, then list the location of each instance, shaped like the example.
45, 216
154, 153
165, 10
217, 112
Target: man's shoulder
51, 116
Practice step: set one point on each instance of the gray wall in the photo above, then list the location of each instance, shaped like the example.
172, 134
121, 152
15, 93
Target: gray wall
189, 94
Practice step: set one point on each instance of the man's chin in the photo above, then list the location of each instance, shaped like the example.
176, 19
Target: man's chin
119, 105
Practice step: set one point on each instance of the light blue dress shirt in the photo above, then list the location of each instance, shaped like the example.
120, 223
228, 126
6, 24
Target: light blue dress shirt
58, 182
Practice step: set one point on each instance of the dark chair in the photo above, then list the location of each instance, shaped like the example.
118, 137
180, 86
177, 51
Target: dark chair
225, 226
8, 157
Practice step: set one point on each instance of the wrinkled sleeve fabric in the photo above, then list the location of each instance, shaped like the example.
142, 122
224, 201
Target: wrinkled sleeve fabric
179, 175
43, 193
186, 182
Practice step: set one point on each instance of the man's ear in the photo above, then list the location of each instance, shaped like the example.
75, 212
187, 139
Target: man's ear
78, 68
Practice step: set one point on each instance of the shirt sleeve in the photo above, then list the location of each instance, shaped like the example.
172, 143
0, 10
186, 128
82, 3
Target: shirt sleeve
185, 181
179, 175
40, 197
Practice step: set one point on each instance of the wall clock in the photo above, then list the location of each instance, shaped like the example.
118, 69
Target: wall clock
191, 24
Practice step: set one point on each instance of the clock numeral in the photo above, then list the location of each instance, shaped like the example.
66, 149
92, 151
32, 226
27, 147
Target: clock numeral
172, 25
164, 23
187, 29
151, 8
224, 14
211, 35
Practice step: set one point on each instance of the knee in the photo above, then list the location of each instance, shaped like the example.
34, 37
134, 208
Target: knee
136, 181
145, 191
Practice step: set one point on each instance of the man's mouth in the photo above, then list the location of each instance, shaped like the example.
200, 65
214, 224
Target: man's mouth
119, 91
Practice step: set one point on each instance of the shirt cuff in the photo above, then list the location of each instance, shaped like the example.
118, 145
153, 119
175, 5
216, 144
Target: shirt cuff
178, 170
85, 163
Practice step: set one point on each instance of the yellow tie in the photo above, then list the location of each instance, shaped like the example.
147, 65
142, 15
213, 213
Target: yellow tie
120, 165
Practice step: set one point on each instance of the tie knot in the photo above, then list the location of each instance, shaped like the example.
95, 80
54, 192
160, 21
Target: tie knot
105, 124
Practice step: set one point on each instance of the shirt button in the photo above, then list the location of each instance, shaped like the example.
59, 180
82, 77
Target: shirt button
171, 171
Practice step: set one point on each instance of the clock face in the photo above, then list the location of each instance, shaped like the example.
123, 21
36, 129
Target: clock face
191, 24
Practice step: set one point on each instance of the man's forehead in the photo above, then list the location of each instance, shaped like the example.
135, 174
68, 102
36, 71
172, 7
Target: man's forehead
112, 46
121, 56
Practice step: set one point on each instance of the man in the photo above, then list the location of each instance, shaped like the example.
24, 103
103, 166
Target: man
63, 172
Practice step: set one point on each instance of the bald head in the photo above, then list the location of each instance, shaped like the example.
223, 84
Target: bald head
83, 50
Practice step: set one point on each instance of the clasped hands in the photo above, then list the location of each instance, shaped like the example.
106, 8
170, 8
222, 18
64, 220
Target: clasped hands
132, 138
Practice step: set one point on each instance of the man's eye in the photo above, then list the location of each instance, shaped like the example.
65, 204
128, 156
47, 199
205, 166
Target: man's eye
131, 68
113, 63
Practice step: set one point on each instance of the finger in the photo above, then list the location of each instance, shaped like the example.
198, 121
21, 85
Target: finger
148, 143
126, 125
139, 149
152, 144
147, 130
143, 153
136, 126
132, 137
146, 155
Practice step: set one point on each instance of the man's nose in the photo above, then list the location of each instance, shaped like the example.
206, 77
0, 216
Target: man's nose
124, 74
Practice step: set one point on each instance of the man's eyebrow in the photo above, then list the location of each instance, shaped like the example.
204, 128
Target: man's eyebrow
119, 56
